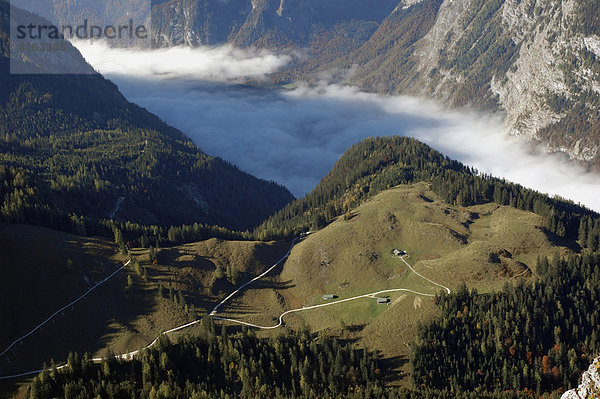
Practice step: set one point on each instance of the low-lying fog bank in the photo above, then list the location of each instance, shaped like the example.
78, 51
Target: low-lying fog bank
295, 137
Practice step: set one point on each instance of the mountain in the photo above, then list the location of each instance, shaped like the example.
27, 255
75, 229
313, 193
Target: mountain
483, 246
522, 270
537, 61
263, 22
376, 164
75, 153
519, 320
458, 228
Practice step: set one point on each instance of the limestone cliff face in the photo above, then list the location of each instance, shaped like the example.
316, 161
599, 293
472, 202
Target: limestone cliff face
263, 23
536, 60
549, 77
590, 384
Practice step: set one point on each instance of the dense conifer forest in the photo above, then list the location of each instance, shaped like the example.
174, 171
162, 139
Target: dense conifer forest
225, 364
72, 145
532, 337
219, 365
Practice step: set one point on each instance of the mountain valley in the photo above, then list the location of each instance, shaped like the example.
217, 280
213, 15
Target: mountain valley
136, 265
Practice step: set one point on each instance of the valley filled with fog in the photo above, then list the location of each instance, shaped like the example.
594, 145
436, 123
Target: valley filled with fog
294, 137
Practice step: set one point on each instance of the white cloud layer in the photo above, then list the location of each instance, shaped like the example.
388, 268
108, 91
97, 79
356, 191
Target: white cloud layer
295, 137
219, 64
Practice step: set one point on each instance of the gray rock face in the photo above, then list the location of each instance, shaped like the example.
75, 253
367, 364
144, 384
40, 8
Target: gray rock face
541, 73
590, 384
530, 59
195, 23
255, 22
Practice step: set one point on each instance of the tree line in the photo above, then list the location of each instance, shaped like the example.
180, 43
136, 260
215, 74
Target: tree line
377, 164
219, 364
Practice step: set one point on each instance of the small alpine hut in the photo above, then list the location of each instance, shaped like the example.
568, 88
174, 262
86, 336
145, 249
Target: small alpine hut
398, 252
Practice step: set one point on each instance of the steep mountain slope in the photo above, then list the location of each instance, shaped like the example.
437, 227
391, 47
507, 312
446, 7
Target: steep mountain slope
44, 269
197, 22
535, 60
72, 145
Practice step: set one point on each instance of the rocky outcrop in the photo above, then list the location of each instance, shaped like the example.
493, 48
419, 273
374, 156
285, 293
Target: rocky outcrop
527, 58
590, 384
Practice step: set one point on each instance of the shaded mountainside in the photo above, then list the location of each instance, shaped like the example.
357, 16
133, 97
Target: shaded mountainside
535, 60
44, 269
72, 145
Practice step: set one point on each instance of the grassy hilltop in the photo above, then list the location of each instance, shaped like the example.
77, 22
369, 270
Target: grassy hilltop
483, 246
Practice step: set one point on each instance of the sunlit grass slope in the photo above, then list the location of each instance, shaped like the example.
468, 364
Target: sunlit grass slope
482, 246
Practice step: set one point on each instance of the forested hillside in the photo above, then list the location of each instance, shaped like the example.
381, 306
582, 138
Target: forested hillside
376, 164
528, 337
71, 146
213, 365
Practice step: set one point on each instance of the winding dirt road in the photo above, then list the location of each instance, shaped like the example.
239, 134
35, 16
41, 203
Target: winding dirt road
372, 295
130, 355
213, 313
